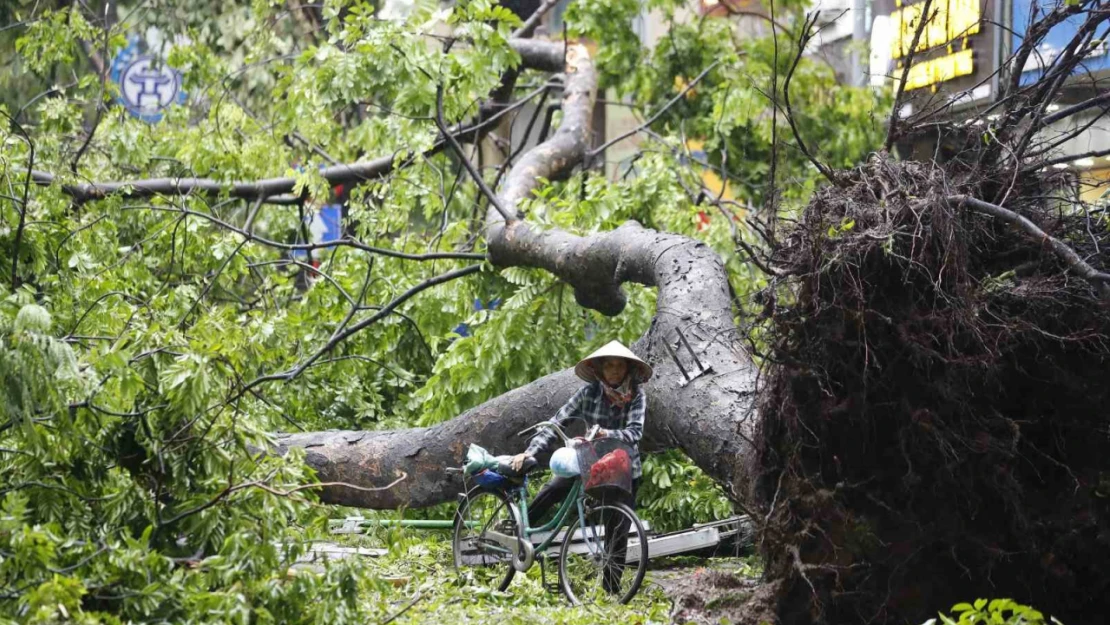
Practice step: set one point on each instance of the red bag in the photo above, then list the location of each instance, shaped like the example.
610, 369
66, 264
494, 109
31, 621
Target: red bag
612, 469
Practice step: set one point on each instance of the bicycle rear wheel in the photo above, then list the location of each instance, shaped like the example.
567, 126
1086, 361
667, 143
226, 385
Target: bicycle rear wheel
594, 568
479, 558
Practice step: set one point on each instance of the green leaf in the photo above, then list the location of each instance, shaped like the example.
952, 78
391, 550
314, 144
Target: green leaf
33, 319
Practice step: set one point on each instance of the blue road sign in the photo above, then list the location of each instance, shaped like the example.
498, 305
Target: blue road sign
147, 85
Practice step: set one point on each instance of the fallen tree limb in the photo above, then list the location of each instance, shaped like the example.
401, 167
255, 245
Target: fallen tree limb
534, 55
710, 417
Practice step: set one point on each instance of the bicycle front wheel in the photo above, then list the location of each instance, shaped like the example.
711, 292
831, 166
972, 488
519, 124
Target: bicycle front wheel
481, 555
603, 560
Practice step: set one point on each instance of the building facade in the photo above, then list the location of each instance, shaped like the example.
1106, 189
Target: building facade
961, 64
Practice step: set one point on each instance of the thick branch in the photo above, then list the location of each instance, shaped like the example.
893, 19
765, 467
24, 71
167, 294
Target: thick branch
1098, 279
339, 174
377, 458
569, 144
710, 418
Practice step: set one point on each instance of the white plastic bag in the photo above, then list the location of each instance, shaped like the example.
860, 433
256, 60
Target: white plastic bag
564, 462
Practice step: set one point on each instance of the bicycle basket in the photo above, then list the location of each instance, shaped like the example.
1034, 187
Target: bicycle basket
605, 464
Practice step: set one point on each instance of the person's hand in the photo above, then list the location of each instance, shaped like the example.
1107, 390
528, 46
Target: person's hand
518, 461
602, 433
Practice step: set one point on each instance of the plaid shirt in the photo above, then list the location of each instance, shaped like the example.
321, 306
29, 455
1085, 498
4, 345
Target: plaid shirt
590, 403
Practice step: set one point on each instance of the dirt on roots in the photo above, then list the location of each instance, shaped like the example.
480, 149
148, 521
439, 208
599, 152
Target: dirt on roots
935, 418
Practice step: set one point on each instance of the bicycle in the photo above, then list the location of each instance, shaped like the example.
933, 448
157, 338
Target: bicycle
492, 539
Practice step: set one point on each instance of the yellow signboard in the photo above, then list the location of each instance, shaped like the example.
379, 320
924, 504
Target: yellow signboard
949, 20
940, 69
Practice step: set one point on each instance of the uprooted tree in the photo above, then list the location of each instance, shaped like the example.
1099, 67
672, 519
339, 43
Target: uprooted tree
911, 413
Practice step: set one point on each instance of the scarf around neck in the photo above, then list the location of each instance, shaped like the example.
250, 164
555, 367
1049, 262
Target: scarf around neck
618, 396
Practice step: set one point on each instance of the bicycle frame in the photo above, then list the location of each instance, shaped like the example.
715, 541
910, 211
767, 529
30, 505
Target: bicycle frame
573, 498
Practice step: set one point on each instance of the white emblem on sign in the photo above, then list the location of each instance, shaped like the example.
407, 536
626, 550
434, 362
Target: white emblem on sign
148, 86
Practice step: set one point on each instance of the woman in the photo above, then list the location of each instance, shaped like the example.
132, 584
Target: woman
614, 400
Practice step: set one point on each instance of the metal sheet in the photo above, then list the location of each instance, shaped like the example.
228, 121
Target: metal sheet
667, 545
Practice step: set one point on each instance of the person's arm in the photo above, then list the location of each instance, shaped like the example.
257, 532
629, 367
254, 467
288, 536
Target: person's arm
543, 439
633, 429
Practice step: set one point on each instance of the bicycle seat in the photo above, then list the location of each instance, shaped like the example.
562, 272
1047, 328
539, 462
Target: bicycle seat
504, 468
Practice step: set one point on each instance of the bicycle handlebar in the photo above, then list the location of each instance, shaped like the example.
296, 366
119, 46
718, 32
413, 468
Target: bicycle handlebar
555, 426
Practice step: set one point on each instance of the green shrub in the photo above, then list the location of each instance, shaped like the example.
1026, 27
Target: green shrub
992, 612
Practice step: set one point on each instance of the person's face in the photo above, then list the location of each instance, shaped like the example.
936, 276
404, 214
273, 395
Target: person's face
613, 370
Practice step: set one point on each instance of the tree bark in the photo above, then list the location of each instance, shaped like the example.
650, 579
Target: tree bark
710, 417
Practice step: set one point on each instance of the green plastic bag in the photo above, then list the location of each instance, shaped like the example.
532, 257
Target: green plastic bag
478, 459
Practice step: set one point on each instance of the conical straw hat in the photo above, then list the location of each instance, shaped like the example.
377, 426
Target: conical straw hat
585, 371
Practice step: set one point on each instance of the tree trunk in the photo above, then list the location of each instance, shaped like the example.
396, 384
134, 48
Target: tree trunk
711, 417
